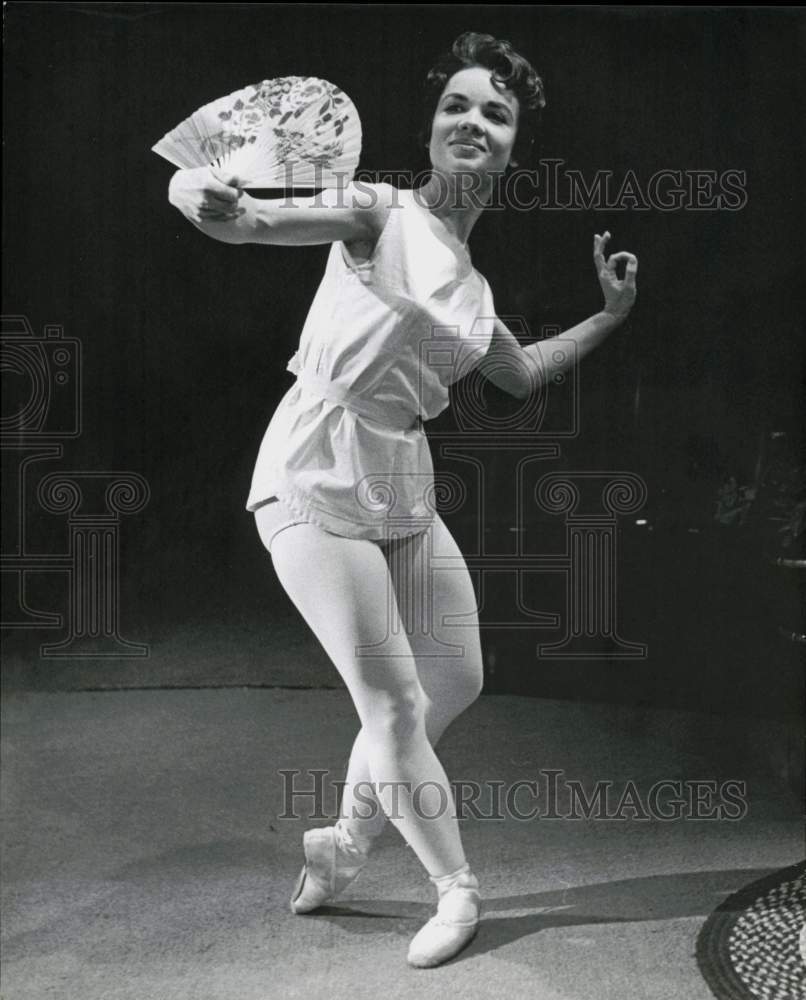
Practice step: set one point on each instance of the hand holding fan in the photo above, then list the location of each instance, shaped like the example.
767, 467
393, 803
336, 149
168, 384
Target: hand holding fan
294, 131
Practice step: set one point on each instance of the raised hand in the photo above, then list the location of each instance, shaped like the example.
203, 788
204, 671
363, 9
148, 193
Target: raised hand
619, 293
203, 195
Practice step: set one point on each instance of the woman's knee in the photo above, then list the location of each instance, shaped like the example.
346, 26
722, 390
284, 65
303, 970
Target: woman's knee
396, 717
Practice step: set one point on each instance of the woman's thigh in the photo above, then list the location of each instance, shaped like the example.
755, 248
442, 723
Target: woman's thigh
340, 587
272, 518
439, 612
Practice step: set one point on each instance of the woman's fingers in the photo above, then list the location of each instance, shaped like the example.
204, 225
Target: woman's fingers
225, 185
632, 265
216, 192
611, 263
598, 250
619, 293
213, 203
217, 215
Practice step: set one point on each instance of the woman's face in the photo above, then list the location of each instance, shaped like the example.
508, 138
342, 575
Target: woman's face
475, 124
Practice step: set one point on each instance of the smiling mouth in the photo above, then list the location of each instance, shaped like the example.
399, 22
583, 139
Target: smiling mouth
465, 142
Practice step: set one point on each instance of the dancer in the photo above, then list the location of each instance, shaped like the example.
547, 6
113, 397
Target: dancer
342, 489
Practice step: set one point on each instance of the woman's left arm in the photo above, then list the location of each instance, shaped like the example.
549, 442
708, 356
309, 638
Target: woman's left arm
520, 370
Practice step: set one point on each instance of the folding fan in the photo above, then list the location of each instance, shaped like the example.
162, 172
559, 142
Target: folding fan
294, 131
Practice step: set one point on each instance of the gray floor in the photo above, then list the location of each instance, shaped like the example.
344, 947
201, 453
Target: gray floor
145, 855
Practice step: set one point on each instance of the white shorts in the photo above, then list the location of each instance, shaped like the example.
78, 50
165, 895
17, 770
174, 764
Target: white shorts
274, 516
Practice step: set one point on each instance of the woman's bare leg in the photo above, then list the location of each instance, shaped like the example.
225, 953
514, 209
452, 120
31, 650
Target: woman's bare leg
431, 582
341, 588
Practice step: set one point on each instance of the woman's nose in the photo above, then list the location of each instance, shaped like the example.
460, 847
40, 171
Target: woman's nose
469, 123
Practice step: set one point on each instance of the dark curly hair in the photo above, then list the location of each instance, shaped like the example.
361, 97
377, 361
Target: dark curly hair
509, 70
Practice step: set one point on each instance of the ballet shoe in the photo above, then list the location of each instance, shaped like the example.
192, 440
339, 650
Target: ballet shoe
454, 926
327, 870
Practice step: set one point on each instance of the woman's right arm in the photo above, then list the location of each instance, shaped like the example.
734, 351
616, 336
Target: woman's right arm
216, 206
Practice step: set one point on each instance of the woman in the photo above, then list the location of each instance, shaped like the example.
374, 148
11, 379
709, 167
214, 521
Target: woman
343, 485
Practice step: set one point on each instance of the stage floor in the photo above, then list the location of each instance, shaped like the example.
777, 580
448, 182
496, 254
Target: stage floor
146, 855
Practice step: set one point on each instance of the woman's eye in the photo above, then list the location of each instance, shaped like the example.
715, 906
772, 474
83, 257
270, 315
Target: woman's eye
495, 116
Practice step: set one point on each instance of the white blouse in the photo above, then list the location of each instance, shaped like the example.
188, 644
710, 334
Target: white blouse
382, 342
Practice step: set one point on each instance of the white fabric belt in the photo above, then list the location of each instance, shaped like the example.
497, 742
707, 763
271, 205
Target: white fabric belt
391, 416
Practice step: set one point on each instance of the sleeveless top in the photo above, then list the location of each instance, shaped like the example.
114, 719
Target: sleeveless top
382, 343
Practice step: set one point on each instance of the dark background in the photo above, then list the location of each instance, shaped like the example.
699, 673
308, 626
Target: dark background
185, 339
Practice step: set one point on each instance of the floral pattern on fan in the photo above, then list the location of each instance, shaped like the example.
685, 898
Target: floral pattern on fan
283, 99
292, 131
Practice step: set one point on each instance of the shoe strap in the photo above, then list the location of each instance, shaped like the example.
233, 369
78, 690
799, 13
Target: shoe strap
462, 878
351, 845
459, 905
